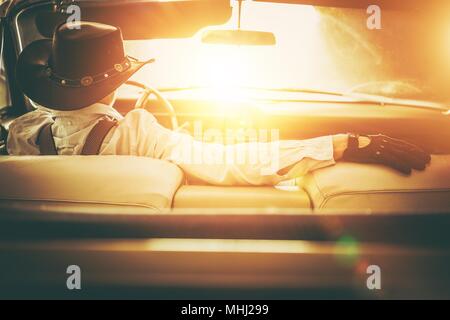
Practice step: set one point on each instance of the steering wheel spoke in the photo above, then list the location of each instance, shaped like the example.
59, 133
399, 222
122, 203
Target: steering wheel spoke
141, 103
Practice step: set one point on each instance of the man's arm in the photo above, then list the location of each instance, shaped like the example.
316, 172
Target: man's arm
256, 163
340, 144
253, 163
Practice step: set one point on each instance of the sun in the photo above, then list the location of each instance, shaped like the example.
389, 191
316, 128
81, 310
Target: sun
224, 70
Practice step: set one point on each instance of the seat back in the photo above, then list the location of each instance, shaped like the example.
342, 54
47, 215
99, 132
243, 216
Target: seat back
378, 188
93, 181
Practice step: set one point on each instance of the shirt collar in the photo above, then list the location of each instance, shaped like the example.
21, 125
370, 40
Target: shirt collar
96, 109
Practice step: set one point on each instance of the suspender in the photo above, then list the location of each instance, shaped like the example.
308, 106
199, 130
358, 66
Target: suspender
95, 138
92, 145
45, 141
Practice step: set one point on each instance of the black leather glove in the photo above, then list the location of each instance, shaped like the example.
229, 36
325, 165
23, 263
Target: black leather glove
397, 154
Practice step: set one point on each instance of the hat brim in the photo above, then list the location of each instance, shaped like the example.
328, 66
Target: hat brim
38, 86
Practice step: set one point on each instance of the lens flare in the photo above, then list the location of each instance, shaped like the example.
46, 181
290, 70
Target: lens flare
347, 251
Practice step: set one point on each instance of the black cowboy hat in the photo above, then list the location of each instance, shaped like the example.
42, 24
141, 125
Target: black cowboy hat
82, 64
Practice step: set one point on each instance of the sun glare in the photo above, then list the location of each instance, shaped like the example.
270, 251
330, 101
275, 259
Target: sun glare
230, 67
224, 70
299, 58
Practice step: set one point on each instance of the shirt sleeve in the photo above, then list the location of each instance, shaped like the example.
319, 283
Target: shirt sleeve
24, 132
252, 163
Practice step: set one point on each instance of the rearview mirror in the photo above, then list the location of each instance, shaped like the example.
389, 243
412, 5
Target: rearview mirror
239, 37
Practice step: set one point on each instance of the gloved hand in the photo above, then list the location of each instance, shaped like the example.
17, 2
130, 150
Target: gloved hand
397, 154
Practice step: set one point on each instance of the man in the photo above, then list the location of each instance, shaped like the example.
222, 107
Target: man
74, 78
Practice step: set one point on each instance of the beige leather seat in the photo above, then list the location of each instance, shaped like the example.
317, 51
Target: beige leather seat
88, 182
101, 183
239, 197
138, 185
358, 186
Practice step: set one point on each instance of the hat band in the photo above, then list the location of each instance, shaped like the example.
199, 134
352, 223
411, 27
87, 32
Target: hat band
89, 80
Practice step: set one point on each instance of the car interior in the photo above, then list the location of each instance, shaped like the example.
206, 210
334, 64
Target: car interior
140, 228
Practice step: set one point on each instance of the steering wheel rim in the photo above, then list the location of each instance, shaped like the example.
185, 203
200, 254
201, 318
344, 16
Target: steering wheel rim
148, 91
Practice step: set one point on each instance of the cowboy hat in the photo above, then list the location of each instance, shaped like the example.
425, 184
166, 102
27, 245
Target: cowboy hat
78, 67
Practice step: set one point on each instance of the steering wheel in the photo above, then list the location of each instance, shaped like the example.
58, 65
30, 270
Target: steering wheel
141, 103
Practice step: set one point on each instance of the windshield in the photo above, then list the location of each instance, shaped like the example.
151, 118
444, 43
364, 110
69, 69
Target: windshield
316, 47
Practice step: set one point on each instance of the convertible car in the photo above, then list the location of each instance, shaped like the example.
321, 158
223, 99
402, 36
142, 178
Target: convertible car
137, 228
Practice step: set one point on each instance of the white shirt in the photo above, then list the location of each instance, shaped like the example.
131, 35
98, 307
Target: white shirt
139, 134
